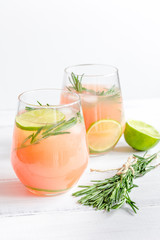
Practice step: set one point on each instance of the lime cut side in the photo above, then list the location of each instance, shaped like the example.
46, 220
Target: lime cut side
141, 136
35, 119
103, 135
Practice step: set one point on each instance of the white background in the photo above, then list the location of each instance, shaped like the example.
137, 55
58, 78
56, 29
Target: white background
38, 39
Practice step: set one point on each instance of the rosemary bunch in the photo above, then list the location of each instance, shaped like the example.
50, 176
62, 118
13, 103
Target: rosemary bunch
76, 84
113, 193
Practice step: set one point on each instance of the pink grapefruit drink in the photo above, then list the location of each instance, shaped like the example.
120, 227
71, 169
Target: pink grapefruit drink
101, 104
49, 151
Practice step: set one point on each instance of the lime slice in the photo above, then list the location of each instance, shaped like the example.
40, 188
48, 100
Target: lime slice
140, 135
103, 135
35, 119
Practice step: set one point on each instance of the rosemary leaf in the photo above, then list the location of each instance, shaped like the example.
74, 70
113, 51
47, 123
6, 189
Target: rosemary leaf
36, 134
26, 139
29, 108
53, 127
39, 103
68, 124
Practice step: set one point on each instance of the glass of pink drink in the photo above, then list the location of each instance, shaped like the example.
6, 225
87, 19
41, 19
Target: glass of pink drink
99, 89
49, 150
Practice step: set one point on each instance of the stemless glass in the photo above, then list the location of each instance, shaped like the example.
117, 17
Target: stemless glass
49, 150
99, 89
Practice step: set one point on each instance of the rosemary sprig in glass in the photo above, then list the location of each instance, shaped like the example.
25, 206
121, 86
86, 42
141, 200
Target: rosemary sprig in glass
51, 130
76, 84
113, 192
31, 108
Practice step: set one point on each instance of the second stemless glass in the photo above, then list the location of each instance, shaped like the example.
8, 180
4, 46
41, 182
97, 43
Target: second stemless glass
99, 88
49, 150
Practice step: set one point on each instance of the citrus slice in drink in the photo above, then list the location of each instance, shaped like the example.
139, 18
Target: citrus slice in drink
35, 119
103, 135
141, 136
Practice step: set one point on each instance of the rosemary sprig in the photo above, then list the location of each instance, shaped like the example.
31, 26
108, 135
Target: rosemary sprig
113, 91
31, 108
76, 84
51, 130
113, 193
47, 131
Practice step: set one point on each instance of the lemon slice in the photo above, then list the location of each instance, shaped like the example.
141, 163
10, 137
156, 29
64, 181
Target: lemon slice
35, 119
103, 135
140, 135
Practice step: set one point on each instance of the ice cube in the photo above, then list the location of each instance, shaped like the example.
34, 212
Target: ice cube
89, 99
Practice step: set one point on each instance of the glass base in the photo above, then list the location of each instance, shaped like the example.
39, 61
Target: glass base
45, 192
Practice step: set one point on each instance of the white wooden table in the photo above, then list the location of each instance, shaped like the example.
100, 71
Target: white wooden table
25, 216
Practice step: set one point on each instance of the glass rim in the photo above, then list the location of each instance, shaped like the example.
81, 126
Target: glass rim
66, 70
50, 106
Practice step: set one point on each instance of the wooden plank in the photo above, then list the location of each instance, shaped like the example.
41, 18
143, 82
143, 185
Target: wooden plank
88, 225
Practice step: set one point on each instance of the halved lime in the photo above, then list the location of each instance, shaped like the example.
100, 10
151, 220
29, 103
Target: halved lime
103, 135
35, 119
140, 135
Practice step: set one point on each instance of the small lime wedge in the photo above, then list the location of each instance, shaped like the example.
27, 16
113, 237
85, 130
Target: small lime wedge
140, 135
103, 135
35, 119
